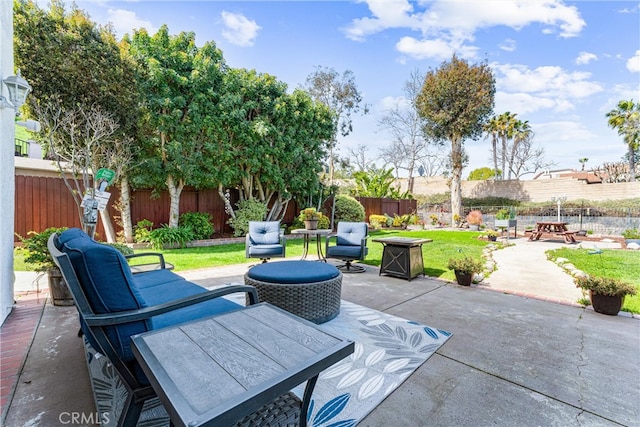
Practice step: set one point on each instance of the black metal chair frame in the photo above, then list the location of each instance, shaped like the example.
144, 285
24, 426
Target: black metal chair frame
137, 393
348, 266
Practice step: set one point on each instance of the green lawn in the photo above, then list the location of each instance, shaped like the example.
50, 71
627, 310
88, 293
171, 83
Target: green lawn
445, 245
623, 265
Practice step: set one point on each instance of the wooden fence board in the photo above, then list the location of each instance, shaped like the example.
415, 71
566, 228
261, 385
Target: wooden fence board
43, 202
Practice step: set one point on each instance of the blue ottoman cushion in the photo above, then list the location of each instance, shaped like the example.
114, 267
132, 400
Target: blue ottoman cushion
289, 272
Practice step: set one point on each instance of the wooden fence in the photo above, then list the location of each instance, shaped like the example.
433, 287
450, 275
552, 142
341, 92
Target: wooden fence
42, 202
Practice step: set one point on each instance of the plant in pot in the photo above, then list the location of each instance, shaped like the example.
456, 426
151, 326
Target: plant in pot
465, 268
474, 219
491, 234
37, 254
606, 294
505, 218
310, 217
631, 235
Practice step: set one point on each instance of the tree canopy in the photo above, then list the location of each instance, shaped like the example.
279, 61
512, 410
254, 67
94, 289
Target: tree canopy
626, 120
455, 101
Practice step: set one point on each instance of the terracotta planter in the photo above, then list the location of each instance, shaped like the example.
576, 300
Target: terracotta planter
606, 304
60, 294
463, 279
311, 224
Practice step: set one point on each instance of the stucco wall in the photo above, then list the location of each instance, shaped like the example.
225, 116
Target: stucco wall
7, 183
531, 190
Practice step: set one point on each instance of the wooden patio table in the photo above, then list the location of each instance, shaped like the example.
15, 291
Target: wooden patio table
216, 371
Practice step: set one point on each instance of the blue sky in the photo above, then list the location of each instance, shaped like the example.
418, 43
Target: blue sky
560, 65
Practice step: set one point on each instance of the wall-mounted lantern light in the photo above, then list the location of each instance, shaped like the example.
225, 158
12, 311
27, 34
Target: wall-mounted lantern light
18, 89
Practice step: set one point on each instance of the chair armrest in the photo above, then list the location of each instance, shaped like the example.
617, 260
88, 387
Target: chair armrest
110, 319
157, 254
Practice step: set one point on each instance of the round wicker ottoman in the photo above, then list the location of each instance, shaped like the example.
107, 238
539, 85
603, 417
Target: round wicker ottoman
308, 289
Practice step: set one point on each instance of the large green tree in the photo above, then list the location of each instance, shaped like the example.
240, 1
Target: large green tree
626, 120
81, 81
455, 101
272, 143
180, 87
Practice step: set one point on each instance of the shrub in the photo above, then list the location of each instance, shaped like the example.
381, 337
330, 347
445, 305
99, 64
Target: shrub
248, 210
200, 223
166, 235
631, 233
36, 247
474, 217
377, 221
605, 286
124, 249
142, 231
465, 265
348, 209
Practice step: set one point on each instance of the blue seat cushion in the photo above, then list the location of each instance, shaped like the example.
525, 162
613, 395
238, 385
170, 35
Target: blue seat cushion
265, 250
351, 252
286, 272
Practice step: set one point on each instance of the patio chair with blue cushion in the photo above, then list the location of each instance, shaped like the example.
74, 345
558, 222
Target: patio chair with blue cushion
265, 240
114, 304
350, 245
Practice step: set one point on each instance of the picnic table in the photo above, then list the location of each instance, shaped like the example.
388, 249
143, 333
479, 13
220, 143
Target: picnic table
557, 227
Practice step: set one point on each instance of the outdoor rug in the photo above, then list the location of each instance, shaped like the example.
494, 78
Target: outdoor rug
387, 350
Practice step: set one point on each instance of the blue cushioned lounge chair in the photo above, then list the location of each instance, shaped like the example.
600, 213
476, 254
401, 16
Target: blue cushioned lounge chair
350, 244
115, 304
265, 240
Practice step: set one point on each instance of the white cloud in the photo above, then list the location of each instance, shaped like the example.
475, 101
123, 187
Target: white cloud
440, 49
585, 58
561, 131
633, 63
446, 24
546, 81
125, 21
238, 29
509, 45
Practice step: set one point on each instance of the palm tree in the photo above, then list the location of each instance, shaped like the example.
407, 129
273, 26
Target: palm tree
626, 119
583, 161
492, 128
506, 127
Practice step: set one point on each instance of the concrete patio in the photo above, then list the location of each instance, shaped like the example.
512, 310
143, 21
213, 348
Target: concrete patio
513, 360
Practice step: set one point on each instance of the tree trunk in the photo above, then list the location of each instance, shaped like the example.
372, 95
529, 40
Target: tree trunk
125, 210
494, 143
632, 164
228, 208
109, 231
456, 176
175, 189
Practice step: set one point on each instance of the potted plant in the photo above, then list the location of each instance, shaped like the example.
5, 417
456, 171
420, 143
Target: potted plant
310, 217
37, 254
505, 218
491, 235
474, 219
606, 294
465, 268
631, 235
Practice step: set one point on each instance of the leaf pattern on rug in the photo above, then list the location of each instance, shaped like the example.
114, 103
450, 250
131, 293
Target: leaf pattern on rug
387, 350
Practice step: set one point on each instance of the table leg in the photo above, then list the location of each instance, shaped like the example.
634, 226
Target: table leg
321, 256
306, 400
305, 246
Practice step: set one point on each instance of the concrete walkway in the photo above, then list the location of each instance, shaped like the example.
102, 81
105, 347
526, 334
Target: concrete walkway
512, 360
